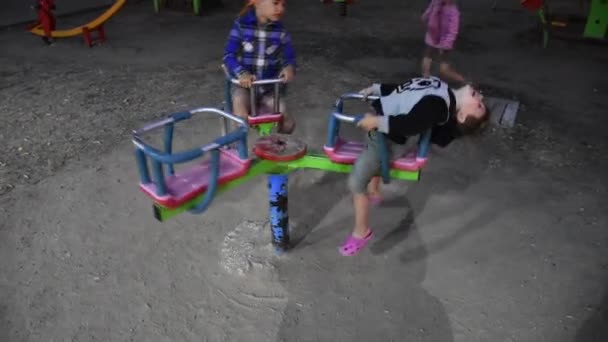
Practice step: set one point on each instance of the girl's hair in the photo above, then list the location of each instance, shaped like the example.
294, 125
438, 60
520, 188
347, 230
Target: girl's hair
248, 4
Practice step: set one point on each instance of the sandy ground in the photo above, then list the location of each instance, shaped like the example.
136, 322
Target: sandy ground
503, 239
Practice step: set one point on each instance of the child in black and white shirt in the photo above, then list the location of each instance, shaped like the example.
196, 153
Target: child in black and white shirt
405, 110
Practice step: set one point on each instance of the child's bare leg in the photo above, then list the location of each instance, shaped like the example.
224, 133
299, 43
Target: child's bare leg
240, 102
373, 188
448, 72
427, 61
361, 204
426, 66
288, 124
364, 170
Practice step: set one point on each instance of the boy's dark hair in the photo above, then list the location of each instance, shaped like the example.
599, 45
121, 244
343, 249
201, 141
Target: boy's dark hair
473, 125
248, 5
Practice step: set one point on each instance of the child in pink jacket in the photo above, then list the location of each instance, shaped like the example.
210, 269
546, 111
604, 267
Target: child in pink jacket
442, 19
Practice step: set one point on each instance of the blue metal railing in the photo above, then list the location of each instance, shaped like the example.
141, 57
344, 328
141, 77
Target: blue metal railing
169, 158
338, 116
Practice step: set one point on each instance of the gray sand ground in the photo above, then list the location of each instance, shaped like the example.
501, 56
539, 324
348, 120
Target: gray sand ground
503, 239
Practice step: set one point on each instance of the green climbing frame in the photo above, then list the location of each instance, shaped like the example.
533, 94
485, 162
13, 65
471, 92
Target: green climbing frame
596, 26
597, 21
196, 6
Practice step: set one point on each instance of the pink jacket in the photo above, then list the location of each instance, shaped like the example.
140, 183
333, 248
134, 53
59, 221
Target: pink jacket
443, 22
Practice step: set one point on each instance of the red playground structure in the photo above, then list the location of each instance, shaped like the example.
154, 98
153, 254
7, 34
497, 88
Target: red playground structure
46, 19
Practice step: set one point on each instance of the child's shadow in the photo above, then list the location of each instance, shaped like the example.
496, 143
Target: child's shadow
311, 201
363, 298
401, 230
414, 202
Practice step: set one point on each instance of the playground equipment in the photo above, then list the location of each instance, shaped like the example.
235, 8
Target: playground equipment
342, 5
46, 19
276, 155
595, 27
85, 30
196, 5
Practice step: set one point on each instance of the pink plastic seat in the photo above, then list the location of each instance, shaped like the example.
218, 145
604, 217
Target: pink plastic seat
186, 184
264, 118
347, 152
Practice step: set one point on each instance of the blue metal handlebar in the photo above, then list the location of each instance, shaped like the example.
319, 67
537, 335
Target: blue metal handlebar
171, 158
167, 157
353, 96
337, 115
334, 128
260, 82
211, 185
230, 80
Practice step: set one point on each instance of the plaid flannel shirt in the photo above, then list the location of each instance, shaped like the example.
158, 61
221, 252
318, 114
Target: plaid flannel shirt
261, 50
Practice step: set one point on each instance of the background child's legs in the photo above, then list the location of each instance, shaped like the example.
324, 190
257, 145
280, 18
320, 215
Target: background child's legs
427, 60
445, 69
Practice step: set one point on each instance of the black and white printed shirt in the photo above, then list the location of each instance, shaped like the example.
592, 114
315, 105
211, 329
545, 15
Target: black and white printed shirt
415, 106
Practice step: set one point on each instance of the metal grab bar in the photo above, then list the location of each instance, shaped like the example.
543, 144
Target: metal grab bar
211, 185
334, 129
253, 90
167, 157
170, 158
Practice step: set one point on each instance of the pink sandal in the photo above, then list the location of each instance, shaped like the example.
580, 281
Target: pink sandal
353, 245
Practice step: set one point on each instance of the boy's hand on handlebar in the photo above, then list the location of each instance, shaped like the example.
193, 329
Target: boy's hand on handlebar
366, 92
287, 74
369, 122
246, 79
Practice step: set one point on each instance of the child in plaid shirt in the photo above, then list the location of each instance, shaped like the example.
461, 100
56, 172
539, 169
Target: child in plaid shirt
259, 47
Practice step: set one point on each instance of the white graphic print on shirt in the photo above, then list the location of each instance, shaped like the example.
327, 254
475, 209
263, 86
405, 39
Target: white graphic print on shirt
404, 97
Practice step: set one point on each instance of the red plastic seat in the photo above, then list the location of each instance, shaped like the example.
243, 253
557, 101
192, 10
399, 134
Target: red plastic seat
532, 5
347, 152
186, 184
264, 118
